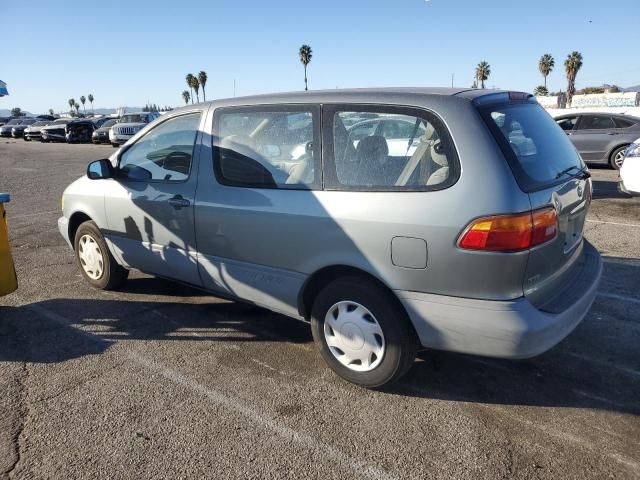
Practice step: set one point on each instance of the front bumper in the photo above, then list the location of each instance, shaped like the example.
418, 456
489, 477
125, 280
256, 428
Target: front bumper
119, 139
506, 329
63, 227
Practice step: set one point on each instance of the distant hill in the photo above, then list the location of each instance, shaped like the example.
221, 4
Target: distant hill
632, 89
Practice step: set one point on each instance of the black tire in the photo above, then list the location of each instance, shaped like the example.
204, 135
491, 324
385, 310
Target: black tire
614, 154
401, 343
115, 145
113, 274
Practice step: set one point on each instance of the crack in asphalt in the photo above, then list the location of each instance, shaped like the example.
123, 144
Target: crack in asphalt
17, 437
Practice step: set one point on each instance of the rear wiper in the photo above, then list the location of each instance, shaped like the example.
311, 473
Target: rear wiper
582, 172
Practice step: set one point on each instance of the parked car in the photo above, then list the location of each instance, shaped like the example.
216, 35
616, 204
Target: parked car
5, 130
18, 130
81, 130
101, 135
467, 244
32, 132
601, 137
55, 132
4, 120
397, 130
128, 125
630, 170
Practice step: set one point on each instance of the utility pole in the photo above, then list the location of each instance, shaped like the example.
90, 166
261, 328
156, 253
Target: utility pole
234, 87
452, 75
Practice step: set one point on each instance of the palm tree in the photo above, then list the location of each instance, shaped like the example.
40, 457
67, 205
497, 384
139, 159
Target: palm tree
90, 98
82, 100
186, 96
195, 84
545, 65
541, 91
189, 78
202, 78
51, 112
483, 70
572, 65
77, 107
305, 58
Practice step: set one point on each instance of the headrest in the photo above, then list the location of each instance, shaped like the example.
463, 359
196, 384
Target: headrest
373, 146
243, 144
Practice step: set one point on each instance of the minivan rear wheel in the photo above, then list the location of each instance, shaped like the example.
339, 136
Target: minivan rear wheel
362, 332
97, 265
617, 157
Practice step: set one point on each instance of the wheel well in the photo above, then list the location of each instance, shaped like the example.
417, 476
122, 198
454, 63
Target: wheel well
75, 221
616, 148
323, 277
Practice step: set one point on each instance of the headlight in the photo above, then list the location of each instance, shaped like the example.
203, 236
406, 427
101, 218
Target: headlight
62, 202
632, 151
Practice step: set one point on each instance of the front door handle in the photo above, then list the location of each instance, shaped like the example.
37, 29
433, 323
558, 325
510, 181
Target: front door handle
179, 202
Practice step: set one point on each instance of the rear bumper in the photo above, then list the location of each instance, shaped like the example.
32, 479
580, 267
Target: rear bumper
507, 329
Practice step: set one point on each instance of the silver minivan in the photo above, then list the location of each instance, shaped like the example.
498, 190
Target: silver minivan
453, 221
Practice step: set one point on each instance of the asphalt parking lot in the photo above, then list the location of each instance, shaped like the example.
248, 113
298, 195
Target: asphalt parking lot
161, 381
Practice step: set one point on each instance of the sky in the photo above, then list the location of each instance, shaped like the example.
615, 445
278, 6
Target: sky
134, 52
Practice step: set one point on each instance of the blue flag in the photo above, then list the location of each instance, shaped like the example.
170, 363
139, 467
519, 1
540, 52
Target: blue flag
3, 89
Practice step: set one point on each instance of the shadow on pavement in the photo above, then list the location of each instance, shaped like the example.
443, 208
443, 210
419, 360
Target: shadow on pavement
597, 366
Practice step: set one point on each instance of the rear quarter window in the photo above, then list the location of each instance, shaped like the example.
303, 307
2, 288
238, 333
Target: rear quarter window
537, 149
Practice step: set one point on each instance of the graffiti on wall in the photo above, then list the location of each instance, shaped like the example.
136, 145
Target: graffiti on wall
626, 99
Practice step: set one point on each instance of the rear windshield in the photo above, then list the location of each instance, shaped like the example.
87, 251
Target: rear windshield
538, 150
136, 118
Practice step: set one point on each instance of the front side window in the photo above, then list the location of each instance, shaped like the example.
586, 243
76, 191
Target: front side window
267, 146
406, 150
567, 123
164, 153
596, 122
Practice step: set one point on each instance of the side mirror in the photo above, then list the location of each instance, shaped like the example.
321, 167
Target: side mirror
100, 169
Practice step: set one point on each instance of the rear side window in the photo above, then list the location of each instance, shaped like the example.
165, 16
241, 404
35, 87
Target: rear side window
539, 153
268, 146
595, 122
623, 122
388, 149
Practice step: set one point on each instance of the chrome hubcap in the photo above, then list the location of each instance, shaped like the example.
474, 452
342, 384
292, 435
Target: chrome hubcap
90, 257
354, 336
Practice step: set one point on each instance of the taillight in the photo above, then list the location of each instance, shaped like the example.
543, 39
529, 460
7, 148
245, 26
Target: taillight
510, 233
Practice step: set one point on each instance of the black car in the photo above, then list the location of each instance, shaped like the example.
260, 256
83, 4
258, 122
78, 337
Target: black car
81, 130
101, 135
601, 137
18, 130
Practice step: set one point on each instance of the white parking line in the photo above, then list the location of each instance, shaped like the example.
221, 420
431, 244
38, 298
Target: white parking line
361, 468
623, 298
636, 225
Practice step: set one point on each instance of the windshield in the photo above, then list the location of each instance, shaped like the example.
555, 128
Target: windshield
15, 121
62, 121
538, 150
134, 118
41, 123
109, 123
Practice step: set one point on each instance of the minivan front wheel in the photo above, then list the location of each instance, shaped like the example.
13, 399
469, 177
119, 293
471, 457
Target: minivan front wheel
97, 264
362, 333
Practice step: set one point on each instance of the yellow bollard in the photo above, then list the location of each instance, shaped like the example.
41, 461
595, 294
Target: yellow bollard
8, 279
